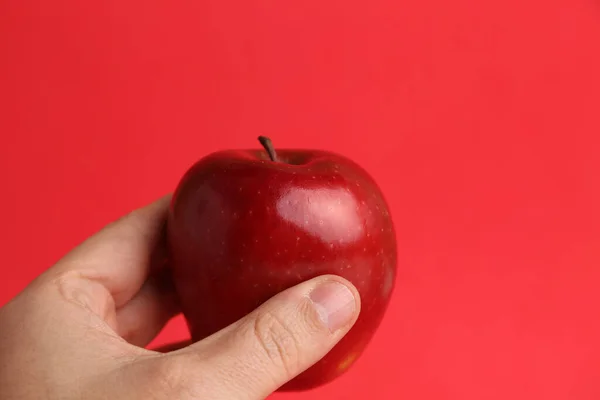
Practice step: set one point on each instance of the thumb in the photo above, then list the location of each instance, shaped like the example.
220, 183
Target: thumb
285, 336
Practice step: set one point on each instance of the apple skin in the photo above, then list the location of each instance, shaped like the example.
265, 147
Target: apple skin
241, 228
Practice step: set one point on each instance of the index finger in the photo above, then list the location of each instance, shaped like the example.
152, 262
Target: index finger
119, 256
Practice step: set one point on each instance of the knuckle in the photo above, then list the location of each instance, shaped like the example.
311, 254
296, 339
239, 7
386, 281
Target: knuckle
279, 342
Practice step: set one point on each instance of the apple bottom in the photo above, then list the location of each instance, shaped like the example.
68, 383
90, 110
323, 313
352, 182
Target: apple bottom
339, 359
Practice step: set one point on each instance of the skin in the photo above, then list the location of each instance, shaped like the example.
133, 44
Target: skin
79, 329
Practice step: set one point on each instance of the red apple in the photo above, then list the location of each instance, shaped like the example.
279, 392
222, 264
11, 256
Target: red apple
246, 224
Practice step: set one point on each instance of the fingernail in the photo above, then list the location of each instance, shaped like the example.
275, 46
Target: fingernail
335, 304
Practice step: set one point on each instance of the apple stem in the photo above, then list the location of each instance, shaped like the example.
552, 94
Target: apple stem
268, 145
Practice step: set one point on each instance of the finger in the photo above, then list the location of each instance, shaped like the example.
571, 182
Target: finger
278, 341
144, 316
119, 256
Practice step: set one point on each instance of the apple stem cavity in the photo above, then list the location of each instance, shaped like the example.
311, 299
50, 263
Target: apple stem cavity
268, 145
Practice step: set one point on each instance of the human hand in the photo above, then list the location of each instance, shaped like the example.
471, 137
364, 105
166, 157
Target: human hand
79, 330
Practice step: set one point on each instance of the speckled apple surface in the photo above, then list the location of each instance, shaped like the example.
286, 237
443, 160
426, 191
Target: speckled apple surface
243, 227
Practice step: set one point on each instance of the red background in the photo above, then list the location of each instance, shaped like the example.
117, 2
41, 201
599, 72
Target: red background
479, 119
